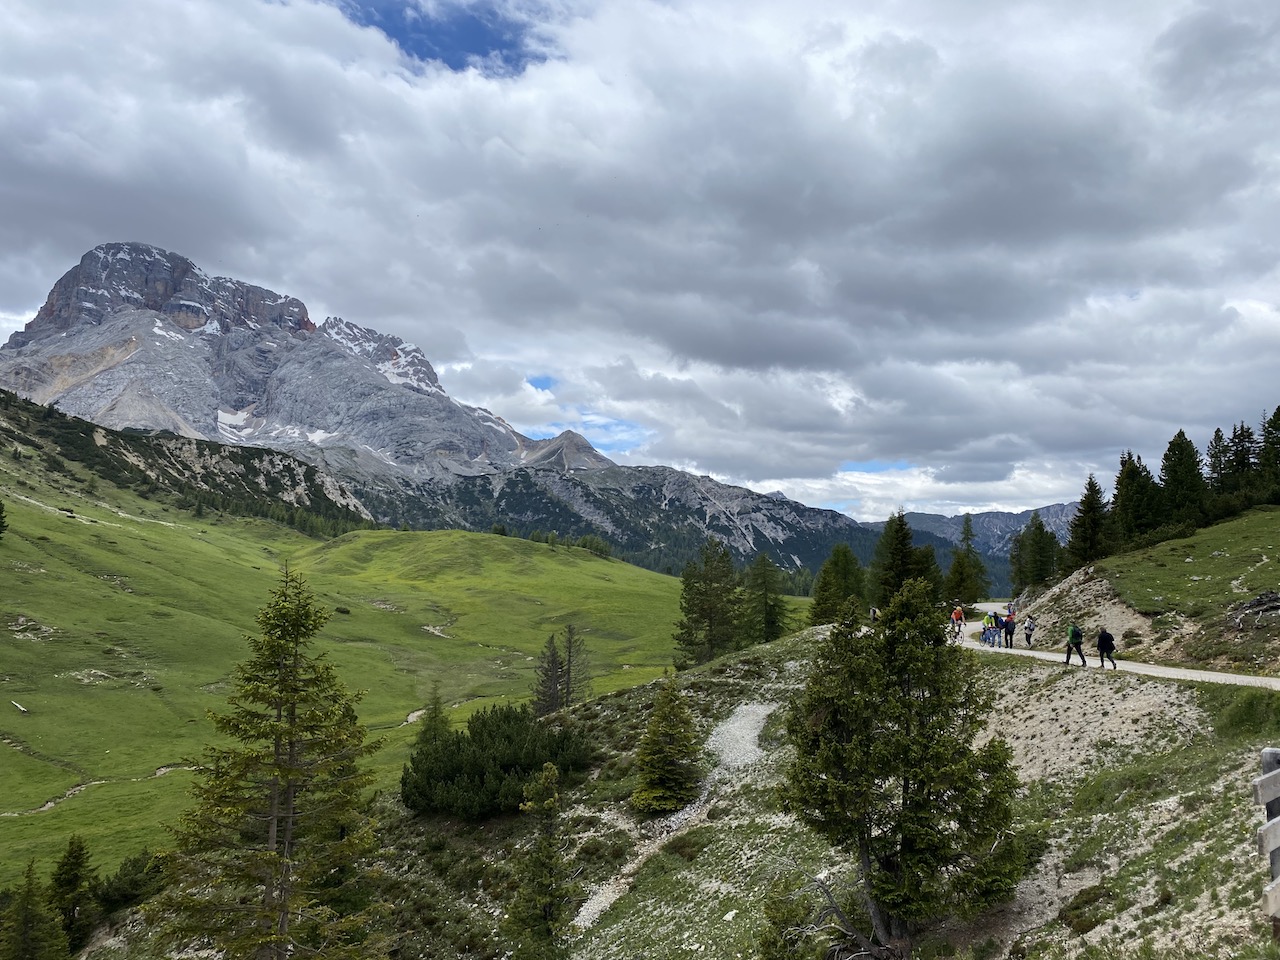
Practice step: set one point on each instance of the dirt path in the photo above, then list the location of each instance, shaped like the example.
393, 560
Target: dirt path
1054, 650
734, 744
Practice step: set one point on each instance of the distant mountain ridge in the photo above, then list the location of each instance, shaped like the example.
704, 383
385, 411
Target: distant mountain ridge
134, 337
993, 531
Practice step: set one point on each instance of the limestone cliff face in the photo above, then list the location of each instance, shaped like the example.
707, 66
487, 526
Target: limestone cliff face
135, 275
137, 337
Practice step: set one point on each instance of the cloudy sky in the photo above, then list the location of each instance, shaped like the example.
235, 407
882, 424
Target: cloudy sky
948, 256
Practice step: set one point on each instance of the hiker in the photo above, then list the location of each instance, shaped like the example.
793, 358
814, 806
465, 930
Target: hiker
1008, 631
1106, 646
1029, 627
1075, 641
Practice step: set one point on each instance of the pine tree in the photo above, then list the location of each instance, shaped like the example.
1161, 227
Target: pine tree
1182, 480
419, 784
667, 758
894, 560
763, 612
576, 683
548, 679
72, 891
277, 825
840, 582
1137, 504
4, 524
708, 606
967, 580
1218, 462
1087, 526
29, 928
1242, 458
886, 768
1035, 555
1268, 456
541, 910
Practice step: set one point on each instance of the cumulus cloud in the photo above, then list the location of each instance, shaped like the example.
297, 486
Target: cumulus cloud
994, 243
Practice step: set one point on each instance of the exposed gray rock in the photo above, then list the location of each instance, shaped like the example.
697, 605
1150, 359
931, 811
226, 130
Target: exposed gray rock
136, 337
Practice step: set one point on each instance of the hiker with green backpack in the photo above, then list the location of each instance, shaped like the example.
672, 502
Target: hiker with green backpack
1075, 642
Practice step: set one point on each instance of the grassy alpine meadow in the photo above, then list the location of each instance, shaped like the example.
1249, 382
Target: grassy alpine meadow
1199, 576
121, 620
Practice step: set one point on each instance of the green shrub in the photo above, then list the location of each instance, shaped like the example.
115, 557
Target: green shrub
481, 772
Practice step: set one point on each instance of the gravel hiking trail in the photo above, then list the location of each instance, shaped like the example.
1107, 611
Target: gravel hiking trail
734, 744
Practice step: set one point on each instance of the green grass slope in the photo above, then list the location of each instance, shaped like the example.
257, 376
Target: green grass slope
121, 619
1208, 600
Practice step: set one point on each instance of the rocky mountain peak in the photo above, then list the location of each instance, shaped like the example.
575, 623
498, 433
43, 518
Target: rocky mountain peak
113, 276
401, 363
566, 451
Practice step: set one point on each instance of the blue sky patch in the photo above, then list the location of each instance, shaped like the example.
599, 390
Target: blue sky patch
541, 383
455, 32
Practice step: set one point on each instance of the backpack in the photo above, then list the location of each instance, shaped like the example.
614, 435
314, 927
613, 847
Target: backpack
1074, 635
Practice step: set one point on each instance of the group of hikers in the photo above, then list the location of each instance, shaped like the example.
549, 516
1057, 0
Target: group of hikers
997, 628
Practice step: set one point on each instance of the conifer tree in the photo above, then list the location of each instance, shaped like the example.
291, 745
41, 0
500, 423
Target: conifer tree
419, 783
545, 894
762, 612
1034, 557
1269, 455
4, 524
72, 891
1087, 526
1137, 503
576, 683
667, 758
967, 580
548, 679
1182, 481
894, 561
29, 928
1217, 461
708, 606
887, 769
277, 823
1242, 458
839, 582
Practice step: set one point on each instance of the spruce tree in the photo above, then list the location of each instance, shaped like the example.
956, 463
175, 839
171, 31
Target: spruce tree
1218, 462
888, 770
548, 679
1182, 481
667, 758
708, 606
762, 612
1035, 555
576, 682
1242, 458
1088, 526
1137, 503
840, 582
967, 579
4, 524
277, 825
29, 928
1269, 455
541, 909
72, 891
894, 561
